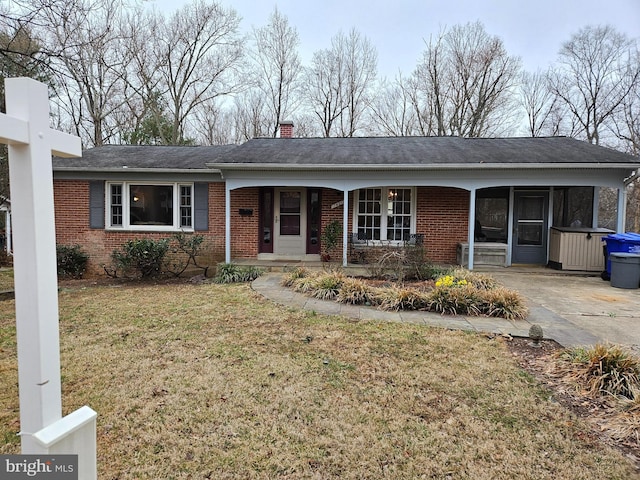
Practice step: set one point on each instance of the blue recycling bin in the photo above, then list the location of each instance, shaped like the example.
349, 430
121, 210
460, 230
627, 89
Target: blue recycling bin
620, 243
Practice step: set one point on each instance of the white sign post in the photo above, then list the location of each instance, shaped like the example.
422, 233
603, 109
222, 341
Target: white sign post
25, 128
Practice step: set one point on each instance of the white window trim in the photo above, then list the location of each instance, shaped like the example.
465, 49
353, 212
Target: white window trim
126, 226
384, 209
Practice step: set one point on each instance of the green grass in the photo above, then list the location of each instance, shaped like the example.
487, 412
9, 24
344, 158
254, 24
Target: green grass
213, 381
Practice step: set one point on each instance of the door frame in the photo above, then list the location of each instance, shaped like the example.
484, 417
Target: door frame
531, 254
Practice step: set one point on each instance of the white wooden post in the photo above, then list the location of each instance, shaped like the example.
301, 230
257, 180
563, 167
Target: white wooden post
25, 128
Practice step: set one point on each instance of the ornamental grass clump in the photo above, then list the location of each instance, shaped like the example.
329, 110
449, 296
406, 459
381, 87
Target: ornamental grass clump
603, 369
479, 280
401, 298
232, 273
327, 285
355, 292
502, 302
455, 297
290, 277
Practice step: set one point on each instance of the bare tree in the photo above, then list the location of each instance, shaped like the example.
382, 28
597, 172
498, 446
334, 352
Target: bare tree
626, 123
339, 83
214, 125
191, 58
276, 59
251, 116
597, 69
466, 82
392, 109
540, 105
360, 70
85, 47
324, 89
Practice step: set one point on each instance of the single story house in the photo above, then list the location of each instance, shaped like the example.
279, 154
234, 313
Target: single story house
466, 199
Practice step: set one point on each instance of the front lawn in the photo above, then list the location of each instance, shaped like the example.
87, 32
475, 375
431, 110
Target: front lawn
213, 381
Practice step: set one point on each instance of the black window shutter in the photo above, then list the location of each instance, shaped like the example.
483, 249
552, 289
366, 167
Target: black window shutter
96, 204
201, 206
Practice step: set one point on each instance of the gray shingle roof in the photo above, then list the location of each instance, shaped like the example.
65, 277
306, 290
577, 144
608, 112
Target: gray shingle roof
152, 157
421, 151
359, 151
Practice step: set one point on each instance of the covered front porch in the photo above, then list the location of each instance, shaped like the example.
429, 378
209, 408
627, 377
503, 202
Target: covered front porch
491, 226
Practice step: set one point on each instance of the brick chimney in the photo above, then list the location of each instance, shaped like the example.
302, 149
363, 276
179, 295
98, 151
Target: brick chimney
286, 129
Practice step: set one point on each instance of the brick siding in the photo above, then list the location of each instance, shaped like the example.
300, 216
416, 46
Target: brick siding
441, 216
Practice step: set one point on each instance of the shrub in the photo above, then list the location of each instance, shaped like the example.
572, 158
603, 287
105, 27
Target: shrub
72, 261
232, 273
145, 257
184, 250
603, 369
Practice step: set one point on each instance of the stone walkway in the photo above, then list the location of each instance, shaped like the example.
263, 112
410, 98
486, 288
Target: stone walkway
543, 309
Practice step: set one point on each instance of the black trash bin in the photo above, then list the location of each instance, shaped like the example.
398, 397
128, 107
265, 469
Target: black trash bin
625, 270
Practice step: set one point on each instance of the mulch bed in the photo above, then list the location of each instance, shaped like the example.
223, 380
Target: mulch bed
595, 411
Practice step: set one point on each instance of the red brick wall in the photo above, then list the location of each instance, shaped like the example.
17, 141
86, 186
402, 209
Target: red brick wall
71, 199
443, 218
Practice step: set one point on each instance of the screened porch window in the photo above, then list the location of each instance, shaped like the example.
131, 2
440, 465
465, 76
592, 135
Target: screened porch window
573, 206
144, 206
385, 214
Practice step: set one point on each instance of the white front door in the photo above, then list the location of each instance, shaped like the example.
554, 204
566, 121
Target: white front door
290, 223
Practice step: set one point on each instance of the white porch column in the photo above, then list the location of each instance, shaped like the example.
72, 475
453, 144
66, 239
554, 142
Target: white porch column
345, 227
472, 226
227, 223
596, 207
622, 210
510, 226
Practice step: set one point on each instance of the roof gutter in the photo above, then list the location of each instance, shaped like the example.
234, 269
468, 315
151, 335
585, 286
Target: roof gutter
450, 166
136, 170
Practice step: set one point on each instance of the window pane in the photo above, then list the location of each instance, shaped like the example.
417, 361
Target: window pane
151, 205
530, 234
531, 208
398, 214
369, 213
289, 224
186, 211
290, 202
492, 213
116, 205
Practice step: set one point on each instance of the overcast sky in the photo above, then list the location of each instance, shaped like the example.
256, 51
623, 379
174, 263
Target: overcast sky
534, 30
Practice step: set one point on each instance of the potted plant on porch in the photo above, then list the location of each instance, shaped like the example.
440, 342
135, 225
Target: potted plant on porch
329, 238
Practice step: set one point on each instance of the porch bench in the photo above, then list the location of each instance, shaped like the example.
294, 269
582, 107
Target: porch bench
484, 253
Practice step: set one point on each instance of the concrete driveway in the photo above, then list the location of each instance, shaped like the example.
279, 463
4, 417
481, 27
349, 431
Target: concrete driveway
588, 303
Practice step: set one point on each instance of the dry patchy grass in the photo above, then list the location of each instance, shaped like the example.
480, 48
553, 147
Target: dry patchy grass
212, 381
6, 279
